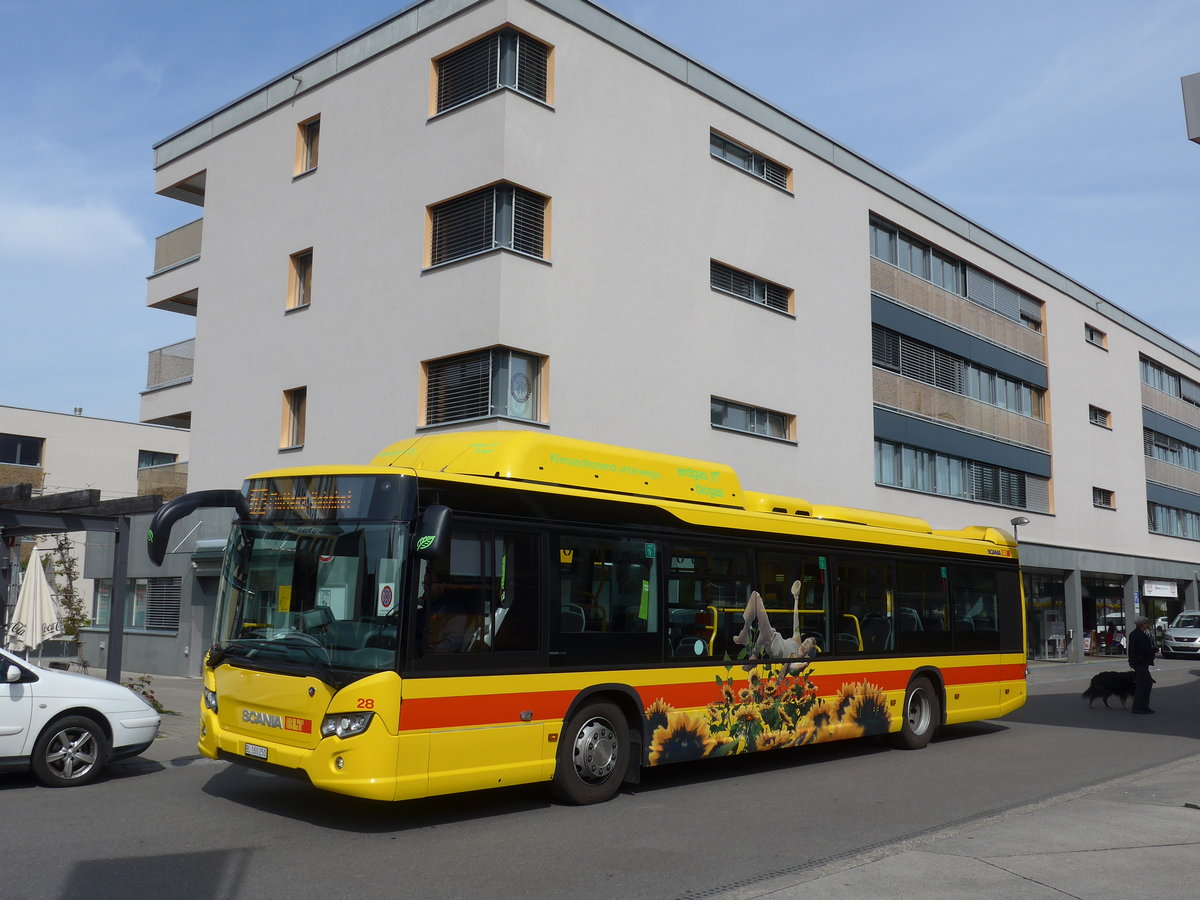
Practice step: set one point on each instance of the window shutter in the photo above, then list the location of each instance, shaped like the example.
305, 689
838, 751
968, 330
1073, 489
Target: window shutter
468, 73
533, 58
529, 222
981, 288
885, 348
463, 226
917, 360
162, 603
459, 388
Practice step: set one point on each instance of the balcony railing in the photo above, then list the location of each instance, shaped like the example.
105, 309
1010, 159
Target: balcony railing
179, 246
171, 365
168, 481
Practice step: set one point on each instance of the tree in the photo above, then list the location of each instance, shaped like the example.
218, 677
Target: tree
74, 616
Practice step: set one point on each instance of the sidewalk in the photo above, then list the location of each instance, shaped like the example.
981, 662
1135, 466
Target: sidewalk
1129, 837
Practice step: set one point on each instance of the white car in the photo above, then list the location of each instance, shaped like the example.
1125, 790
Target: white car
67, 727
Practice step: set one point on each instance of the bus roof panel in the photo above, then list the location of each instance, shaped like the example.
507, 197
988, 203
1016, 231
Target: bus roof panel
551, 459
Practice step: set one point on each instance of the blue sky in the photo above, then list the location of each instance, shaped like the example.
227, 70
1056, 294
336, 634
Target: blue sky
1057, 124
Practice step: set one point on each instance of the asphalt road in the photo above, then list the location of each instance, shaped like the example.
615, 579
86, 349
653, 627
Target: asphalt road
171, 824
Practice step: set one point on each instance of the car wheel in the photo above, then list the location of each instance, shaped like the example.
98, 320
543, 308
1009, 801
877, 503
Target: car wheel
71, 751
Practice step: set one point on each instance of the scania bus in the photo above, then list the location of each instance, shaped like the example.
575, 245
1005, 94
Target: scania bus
478, 609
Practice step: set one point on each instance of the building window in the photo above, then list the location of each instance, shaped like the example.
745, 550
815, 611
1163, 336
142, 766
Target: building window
931, 472
756, 290
745, 158
150, 603
21, 450
931, 365
295, 404
308, 144
502, 216
504, 59
891, 245
1095, 337
149, 458
1101, 417
1103, 498
1159, 377
1173, 522
300, 279
751, 419
1170, 450
484, 384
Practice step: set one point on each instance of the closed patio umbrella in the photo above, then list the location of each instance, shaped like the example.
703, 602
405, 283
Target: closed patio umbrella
36, 616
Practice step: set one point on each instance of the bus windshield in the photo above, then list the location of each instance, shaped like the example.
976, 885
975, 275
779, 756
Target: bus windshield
316, 599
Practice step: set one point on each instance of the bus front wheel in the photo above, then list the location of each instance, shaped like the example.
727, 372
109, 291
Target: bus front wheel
593, 753
921, 715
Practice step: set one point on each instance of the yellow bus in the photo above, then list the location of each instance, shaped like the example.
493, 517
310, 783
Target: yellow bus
478, 609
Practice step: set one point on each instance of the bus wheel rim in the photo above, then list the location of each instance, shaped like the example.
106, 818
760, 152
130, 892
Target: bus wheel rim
595, 750
918, 712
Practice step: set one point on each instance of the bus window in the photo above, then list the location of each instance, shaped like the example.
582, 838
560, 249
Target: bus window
484, 598
862, 610
976, 609
777, 573
607, 585
921, 604
707, 589
605, 607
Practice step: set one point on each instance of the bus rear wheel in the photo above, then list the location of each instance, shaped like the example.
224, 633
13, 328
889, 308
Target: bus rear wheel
593, 753
921, 715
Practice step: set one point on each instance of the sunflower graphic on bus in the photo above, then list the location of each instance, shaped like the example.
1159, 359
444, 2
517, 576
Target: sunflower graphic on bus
774, 709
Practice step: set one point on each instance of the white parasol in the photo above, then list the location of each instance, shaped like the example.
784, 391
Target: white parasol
36, 616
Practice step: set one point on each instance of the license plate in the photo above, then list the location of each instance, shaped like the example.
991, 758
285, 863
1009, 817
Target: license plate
256, 751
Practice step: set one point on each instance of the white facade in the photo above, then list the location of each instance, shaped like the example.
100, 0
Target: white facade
634, 341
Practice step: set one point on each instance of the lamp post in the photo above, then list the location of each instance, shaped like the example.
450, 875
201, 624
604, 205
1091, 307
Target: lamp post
1017, 523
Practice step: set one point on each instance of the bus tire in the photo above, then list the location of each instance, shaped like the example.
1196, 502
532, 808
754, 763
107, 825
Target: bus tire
593, 753
921, 715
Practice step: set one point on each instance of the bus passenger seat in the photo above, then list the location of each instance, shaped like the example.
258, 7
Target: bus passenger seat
573, 618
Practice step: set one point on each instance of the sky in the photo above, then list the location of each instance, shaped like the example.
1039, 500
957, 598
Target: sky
1056, 124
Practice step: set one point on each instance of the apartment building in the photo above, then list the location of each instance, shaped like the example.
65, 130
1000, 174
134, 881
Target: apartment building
59, 453
530, 214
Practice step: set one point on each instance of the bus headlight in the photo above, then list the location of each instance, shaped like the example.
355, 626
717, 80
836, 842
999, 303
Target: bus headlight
345, 725
210, 699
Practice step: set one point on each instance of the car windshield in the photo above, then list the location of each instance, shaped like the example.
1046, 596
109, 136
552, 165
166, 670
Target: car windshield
319, 599
1187, 620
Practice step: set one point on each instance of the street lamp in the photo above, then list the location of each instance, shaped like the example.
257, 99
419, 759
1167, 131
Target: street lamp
1017, 523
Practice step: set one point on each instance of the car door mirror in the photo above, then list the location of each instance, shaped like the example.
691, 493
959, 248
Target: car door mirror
12, 674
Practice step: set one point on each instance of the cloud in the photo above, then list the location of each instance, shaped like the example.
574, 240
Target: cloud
71, 235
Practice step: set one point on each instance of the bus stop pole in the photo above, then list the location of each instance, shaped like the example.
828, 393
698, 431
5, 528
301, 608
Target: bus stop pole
117, 600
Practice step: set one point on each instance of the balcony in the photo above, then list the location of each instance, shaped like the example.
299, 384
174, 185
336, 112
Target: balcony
167, 398
896, 392
168, 481
956, 310
1173, 407
174, 283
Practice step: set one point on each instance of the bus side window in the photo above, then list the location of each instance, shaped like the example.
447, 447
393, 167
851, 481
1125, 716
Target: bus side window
607, 585
778, 574
862, 608
975, 608
921, 608
707, 590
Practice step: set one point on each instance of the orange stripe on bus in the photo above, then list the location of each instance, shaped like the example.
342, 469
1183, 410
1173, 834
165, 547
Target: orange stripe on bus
424, 713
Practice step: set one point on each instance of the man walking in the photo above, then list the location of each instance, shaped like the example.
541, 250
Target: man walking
1141, 657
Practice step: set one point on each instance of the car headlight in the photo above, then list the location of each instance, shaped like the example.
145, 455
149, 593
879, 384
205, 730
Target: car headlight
210, 699
345, 725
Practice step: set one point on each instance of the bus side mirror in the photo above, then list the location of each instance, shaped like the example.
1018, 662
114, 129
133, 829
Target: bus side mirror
174, 510
432, 539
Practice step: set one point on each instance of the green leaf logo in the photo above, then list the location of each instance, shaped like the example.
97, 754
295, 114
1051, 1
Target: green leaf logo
150, 536
425, 542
